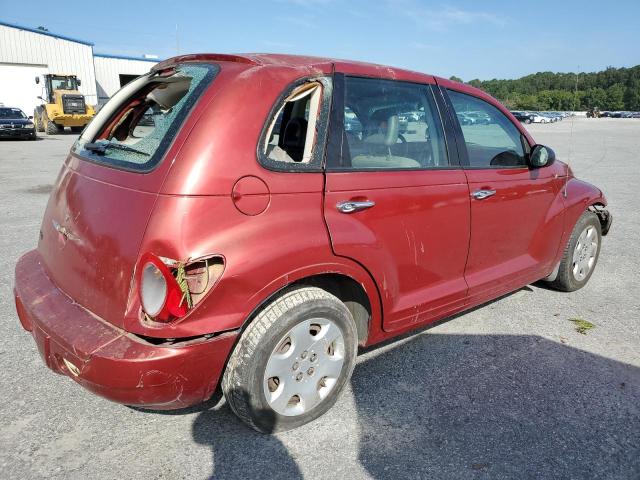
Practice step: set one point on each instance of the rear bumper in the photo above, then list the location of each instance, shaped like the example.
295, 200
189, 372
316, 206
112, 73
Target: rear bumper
107, 360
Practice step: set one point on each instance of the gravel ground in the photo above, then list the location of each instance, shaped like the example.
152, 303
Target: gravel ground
509, 390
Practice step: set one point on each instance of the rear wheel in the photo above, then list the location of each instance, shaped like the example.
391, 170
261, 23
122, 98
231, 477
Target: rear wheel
37, 120
580, 255
292, 361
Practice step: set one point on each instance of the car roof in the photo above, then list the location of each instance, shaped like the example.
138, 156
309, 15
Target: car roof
306, 62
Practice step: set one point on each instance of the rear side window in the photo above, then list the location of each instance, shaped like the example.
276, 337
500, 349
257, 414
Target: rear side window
492, 140
293, 137
389, 125
134, 129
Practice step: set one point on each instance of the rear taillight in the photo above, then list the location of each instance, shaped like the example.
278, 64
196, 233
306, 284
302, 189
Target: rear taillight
160, 295
169, 288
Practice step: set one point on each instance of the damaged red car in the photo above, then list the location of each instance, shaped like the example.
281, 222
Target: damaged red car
246, 222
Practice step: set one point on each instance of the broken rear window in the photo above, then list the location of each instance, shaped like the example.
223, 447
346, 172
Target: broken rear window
135, 128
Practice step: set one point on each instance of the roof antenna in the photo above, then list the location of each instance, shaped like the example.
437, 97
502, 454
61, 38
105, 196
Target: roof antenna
177, 41
575, 109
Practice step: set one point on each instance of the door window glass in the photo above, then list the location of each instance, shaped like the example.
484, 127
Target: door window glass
390, 125
492, 140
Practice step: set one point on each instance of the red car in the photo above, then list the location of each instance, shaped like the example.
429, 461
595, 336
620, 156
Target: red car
217, 224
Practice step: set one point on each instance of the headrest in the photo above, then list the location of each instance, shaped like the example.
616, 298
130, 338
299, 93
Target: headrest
386, 136
295, 133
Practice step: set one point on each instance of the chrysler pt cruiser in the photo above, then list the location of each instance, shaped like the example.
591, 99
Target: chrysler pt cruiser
245, 222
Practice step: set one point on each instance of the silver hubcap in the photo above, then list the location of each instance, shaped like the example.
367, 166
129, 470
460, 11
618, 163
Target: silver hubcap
584, 255
304, 367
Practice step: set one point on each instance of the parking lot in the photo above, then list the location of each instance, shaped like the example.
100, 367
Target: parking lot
509, 390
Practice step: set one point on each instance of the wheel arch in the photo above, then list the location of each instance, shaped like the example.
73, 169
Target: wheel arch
355, 289
580, 196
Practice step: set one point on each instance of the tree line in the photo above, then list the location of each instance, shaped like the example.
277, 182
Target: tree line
611, 89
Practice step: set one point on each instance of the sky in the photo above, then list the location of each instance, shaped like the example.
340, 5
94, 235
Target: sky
469, 39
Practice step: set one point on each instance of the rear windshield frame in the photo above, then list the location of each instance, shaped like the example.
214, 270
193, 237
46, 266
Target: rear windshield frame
156, 159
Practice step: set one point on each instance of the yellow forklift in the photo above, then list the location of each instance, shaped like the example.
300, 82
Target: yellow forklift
62, 105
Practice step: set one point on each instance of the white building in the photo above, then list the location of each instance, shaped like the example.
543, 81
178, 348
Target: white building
113, 72
26, 53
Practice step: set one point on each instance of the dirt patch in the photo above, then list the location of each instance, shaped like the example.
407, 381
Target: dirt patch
40, 189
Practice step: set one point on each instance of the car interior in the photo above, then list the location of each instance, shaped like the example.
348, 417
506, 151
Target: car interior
292, 131
390, 125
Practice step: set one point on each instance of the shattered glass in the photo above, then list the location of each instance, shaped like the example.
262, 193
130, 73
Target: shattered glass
162, 120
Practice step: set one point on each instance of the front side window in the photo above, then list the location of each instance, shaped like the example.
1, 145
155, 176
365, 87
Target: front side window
389, 125
134, 129
491, 139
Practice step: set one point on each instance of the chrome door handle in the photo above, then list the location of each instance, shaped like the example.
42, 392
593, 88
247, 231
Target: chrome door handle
351, 206
482, 194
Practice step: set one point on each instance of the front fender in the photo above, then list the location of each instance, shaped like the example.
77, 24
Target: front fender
578, 197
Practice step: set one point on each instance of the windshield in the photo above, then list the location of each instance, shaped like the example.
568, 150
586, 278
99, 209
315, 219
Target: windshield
134, 129
11, 113
63, 83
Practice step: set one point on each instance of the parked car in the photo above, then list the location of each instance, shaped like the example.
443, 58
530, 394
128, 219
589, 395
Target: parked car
207, 251
465, 119
480, 118
525, 117
539, 118
15, 124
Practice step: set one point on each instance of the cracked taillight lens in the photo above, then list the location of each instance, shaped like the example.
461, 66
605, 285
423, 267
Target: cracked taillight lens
160, 295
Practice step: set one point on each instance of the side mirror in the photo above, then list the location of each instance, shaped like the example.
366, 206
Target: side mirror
37, 79
40, 98
541, 156
30, 117
78, 81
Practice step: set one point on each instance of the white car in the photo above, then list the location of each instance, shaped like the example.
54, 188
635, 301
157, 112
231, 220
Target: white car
537, 118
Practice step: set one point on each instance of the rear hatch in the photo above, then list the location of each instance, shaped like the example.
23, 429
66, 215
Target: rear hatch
97, 214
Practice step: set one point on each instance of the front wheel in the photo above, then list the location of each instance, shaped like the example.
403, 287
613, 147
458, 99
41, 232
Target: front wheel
52, 128
292, 362
580, 255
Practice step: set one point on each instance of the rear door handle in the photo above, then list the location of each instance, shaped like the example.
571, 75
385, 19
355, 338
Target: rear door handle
353, 206
482, 194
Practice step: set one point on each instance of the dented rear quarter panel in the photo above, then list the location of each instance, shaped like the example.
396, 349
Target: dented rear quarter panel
195, 213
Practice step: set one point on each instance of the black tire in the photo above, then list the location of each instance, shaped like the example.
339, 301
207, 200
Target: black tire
243, 379
52, 128
566, 281
37, 119
527, 121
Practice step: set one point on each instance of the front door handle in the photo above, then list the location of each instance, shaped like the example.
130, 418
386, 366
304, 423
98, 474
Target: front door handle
353, 206
482, 194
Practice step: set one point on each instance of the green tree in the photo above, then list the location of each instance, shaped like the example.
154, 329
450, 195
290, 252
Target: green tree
594, 98
612, 89
632, 95
615, 97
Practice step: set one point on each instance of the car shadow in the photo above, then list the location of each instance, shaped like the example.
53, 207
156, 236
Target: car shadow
451, 406
460, 406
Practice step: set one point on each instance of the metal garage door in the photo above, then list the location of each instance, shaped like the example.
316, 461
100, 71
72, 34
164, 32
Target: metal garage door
18, 86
